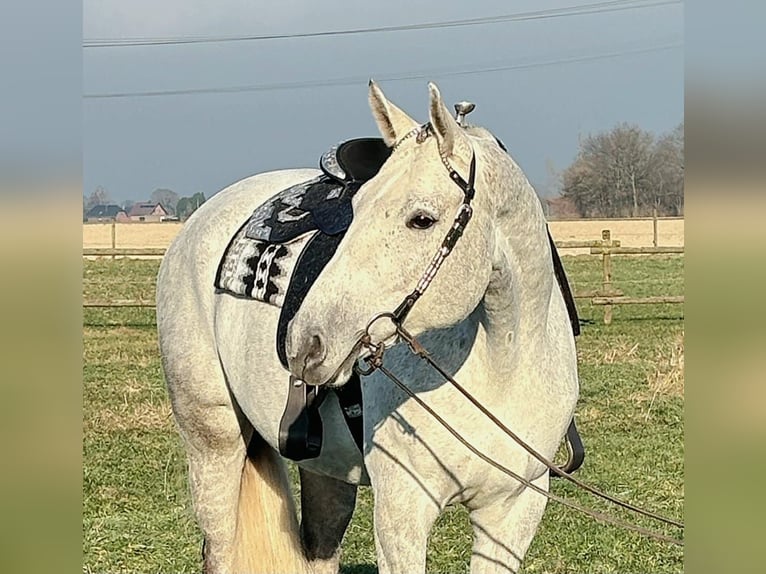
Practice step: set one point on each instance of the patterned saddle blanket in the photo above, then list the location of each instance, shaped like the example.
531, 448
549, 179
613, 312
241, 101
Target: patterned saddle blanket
261, 260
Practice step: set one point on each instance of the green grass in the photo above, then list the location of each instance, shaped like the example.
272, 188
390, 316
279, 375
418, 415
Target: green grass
136, 511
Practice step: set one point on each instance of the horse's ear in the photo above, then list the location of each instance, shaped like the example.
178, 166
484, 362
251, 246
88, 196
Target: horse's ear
452, 140
392, 122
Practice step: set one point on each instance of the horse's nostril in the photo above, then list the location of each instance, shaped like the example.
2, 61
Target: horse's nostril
315, 352
306, 355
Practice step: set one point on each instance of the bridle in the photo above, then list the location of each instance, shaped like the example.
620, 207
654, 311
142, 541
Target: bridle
376, 351
464, 214
465, 211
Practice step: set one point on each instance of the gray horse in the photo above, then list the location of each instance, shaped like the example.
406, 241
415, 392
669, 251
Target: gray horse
493, 316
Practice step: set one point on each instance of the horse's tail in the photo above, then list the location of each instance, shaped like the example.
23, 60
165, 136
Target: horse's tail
267, 528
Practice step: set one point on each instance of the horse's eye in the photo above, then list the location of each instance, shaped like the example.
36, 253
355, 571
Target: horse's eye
421, 221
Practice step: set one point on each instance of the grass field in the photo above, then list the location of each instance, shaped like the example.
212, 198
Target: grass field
136, 511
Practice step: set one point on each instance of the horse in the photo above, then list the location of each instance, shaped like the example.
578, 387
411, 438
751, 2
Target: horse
493, 316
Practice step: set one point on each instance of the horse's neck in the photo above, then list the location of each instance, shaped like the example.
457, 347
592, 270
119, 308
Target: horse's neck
517, 301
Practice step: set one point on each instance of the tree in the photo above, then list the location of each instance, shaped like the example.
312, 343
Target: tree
669, 175
188, 205
167, 197
99, 196
626, 173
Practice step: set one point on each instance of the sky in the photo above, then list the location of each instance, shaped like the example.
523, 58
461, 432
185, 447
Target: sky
539, 84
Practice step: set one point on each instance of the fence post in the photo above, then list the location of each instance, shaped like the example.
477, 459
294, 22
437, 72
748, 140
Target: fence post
654, 226
606, 263
114, 236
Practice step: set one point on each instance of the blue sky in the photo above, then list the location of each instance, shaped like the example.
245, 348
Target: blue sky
628, 67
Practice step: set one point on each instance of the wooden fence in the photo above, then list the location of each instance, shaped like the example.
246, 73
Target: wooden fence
607, 295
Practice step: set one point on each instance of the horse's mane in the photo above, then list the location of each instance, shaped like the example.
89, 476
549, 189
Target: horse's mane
480, 132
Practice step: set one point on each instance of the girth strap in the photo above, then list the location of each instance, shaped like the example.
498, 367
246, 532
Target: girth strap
566, 291
573, 440
300, 429
350, 400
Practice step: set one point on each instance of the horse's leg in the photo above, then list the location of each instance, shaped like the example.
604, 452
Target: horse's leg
326, 508
216, 454
243, 505
504, 530
404, 514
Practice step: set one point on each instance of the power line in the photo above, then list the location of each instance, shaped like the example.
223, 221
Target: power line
580, 10
443, 73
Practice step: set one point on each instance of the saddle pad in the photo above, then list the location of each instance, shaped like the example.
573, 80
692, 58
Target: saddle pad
320, 203
259, 269
261, 257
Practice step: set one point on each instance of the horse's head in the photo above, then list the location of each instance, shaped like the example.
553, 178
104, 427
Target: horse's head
401, 218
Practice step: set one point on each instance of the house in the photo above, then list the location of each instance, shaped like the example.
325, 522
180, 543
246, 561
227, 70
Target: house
147, 211
106, 213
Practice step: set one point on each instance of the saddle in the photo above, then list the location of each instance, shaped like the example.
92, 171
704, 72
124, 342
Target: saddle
280, 251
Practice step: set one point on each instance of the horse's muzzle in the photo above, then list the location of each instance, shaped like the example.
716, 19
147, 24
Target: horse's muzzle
306, 353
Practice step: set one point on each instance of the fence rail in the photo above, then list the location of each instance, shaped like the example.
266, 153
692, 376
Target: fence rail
655, 300
617, 250
607, 295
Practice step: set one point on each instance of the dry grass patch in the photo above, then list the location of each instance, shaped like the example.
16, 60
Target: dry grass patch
130, 234
588, 414
142, 416
666, 379
122, 345
621, 351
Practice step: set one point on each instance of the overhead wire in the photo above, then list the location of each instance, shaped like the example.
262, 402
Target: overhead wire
330, 82
578, 10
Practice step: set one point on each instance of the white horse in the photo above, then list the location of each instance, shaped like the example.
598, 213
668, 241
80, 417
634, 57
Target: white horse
494, 316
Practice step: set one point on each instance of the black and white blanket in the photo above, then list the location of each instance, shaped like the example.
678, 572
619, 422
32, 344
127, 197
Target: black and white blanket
261, 257
260, 260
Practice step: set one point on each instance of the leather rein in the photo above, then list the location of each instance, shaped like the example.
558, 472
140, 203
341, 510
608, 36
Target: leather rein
376, 351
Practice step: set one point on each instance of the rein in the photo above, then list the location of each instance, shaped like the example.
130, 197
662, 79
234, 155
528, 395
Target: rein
375, 362
397, 317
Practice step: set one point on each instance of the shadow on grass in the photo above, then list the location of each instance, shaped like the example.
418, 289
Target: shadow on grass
599, 322
645, 319
359, 569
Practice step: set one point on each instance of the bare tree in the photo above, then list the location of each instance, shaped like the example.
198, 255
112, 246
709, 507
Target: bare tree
669, 173
626, 173
167, 197
99, 196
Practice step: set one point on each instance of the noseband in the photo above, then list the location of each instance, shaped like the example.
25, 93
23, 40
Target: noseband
465, 211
